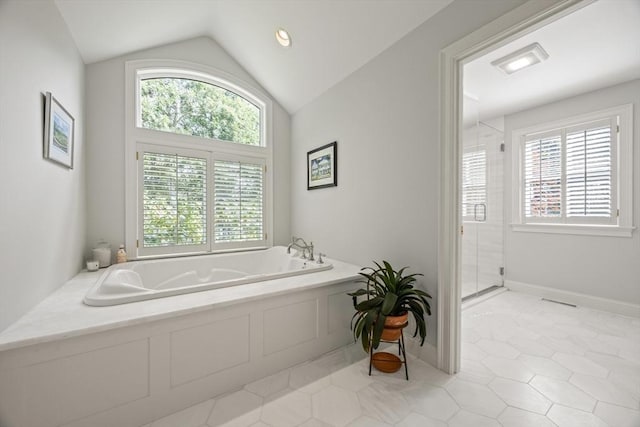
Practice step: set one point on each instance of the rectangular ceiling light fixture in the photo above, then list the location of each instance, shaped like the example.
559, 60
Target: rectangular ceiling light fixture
522, 58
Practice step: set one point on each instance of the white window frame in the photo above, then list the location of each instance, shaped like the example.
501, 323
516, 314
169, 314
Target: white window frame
622, 167
137, 137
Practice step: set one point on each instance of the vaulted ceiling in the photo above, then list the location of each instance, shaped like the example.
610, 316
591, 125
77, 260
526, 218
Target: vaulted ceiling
593, 47
331, 39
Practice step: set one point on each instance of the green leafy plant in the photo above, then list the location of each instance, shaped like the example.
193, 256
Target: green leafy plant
389, 293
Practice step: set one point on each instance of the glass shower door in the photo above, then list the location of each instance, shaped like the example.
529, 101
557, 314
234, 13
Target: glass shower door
482, 209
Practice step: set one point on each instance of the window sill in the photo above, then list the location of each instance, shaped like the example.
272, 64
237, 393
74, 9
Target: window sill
583, 230
197, 253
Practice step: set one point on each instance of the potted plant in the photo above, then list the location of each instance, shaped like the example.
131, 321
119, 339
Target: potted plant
391, 296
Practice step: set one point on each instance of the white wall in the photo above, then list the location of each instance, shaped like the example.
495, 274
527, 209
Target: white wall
606, 267
42, 204
385, 119
106, 138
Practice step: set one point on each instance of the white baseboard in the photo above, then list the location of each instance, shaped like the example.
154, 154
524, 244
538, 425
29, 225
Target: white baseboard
584, 300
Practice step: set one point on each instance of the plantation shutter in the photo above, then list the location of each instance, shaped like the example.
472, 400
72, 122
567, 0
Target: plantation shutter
474, 181
543, 176
174, 210
238, 197
589, 189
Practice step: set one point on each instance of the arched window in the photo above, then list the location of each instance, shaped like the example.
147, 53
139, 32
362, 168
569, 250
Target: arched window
198, 108
201, 159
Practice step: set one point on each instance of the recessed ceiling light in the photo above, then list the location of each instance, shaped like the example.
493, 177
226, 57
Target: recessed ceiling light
522, 58
283, 37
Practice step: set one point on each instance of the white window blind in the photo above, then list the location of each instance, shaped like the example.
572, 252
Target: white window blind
568, 174
174, 200
238, 195
589, 171
543, 177
474, 181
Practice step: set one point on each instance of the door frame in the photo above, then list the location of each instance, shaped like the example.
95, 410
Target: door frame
523, 20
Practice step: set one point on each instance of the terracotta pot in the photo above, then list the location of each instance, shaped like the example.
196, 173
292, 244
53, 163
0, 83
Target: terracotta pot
393, 326
386, 362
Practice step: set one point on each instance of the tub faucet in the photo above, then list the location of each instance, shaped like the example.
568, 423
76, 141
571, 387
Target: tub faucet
299, 243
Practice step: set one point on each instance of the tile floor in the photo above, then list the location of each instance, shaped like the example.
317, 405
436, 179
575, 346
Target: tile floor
526, 362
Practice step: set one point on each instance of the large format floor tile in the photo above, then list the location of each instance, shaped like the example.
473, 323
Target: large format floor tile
525, 363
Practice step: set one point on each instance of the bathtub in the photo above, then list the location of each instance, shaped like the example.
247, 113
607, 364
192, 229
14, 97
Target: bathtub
143, 280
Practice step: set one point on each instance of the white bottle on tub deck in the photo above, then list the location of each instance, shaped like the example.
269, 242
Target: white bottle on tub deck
121, 256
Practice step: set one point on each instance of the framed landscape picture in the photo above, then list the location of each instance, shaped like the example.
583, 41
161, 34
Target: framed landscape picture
322, 167
58, 132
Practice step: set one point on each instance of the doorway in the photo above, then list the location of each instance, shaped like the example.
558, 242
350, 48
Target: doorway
511, 26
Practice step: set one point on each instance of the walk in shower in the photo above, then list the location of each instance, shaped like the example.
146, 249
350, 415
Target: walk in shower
482, 190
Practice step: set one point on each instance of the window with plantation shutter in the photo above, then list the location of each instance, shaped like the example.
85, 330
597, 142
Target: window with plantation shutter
543, 177
568, 174
174, 200
576, 173
474, 182
198, 158
238, 201
589, 154
198, 201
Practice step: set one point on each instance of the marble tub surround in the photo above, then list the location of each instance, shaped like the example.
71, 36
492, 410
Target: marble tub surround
525, 363
63, 314
66, 364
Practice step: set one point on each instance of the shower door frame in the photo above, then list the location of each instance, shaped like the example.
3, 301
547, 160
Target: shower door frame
523, 20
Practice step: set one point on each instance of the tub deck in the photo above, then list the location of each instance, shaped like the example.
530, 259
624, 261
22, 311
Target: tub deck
64, 315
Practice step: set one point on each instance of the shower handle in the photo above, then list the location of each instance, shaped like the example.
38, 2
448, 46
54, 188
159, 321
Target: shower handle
484, 212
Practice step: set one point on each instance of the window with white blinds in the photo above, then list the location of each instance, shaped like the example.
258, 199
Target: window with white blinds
474, 181
589, 170
198, 201
543, 177
569, 174
174, 206
238, 194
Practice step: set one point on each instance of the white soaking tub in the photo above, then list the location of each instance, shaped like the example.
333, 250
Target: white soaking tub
143, 280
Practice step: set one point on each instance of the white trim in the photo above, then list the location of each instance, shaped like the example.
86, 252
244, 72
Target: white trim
135, 135
518, 22
580, 230
550, 127
580, 299
625, 165
449, 311
130, 165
